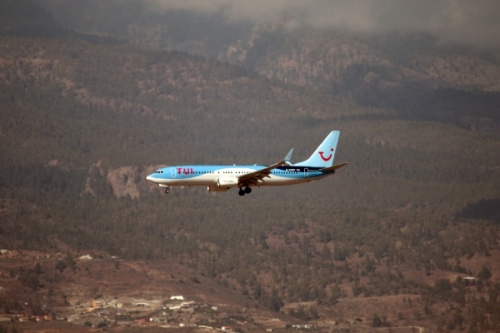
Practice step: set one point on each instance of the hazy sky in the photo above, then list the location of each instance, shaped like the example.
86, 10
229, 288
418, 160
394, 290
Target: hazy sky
466, 21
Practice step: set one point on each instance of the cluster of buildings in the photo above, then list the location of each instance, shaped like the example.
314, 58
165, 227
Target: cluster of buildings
175, 312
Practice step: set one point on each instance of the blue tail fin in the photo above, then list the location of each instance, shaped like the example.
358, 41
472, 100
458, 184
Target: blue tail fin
325, 153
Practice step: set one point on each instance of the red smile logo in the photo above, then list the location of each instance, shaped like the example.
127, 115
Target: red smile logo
326, 159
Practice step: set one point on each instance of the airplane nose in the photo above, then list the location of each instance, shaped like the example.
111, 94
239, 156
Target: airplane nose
150, 177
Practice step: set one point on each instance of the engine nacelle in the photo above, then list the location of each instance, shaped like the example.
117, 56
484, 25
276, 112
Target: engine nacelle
214, 188
227, 182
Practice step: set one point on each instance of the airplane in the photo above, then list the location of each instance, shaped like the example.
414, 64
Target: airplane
221, 178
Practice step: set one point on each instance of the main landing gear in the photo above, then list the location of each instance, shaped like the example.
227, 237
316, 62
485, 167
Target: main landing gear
245, 190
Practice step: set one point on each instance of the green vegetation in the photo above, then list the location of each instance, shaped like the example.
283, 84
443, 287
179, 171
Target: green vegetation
418, 196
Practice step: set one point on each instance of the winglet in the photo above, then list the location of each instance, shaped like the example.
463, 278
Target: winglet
333, 168
288, 157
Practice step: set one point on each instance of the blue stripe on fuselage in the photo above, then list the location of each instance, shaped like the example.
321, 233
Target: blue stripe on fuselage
193, 171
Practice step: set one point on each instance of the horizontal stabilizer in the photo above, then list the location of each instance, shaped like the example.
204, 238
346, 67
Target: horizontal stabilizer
335, 167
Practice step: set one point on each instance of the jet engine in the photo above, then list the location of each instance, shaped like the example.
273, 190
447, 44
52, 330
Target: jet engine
227, 182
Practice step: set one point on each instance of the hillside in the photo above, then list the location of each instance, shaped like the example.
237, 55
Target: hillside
84, 120
415, 73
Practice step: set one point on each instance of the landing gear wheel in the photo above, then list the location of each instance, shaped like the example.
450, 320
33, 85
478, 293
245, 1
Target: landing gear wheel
241, 192
167, 190
248, 190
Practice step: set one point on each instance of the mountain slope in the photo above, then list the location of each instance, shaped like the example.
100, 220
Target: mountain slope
414, 73
83, 122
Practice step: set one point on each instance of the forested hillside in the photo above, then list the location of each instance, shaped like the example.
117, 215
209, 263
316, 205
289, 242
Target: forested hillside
414, 73
84, 120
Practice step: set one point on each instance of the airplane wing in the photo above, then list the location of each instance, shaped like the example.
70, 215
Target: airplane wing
333, 168
257, 176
